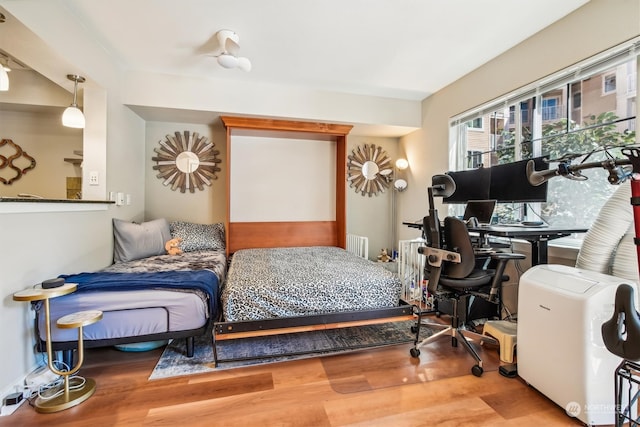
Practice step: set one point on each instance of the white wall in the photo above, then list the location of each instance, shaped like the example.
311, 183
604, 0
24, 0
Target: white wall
277, 179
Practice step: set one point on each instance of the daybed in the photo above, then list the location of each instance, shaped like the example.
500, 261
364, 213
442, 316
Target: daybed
145, 295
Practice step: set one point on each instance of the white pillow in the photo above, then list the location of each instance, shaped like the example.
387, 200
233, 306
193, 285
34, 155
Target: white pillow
134, 241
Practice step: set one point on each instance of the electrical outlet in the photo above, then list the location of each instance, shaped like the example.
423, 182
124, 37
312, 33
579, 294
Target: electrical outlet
119, 199
93, 178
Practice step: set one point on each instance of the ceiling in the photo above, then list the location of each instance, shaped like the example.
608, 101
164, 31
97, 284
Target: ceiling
405, 49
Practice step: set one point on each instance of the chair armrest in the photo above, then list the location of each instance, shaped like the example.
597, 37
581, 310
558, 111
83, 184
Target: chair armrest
502, 258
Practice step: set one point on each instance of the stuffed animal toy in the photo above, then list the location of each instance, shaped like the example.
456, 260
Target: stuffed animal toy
173, 246
384, 256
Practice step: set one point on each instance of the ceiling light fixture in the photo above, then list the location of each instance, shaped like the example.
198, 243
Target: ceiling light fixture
72, 116
228, 49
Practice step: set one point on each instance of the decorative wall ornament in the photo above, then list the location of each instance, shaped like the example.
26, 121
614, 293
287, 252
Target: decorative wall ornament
369, 169
186, 161
12, 157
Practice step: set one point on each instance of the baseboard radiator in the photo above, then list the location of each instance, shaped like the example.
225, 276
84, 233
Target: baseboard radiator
411, 268
358, 245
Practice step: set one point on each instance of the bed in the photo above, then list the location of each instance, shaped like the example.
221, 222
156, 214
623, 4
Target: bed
297, 289
292, 275
146, 295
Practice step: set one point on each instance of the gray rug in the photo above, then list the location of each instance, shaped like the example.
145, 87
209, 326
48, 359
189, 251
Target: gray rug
260, 350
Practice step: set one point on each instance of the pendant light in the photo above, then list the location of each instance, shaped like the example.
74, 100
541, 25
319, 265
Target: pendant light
72, 116
4, 76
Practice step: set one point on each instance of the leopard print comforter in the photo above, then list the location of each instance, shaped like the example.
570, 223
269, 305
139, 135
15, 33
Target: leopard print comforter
285, 282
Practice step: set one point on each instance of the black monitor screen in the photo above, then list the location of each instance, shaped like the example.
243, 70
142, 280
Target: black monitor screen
471, 184
509, 183
481, 209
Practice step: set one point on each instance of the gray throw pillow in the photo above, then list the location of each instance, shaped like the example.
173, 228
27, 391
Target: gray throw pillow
134, 241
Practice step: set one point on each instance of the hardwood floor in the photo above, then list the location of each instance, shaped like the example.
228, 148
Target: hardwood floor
376, 387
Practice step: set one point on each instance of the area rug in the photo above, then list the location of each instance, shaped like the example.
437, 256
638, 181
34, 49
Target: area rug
261, 350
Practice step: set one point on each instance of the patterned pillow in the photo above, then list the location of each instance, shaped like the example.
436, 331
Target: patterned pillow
198, 237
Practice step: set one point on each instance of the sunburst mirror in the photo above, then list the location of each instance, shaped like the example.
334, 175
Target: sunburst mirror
369, 169
186, 161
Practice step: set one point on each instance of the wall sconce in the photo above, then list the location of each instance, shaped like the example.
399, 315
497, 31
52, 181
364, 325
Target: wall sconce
399, 183
72, 116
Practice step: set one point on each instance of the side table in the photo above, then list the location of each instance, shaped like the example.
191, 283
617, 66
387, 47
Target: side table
67, 397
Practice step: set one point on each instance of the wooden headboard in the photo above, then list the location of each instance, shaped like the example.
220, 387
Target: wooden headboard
242, 235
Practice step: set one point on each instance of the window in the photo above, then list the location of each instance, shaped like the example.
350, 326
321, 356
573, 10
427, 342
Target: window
577, 100
475, 159
609, 83
566, 116
475, 124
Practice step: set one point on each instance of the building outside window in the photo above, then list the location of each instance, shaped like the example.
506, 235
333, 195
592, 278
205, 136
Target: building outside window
577, 116
609, 83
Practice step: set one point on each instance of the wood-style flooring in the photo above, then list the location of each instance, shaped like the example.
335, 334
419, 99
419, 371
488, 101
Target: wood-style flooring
375, 387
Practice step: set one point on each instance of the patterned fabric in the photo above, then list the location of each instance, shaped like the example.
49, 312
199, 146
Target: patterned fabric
285, 282
198, 237
215, 261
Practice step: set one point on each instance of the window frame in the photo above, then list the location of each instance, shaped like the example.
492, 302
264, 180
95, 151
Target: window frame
604, 83
511, 104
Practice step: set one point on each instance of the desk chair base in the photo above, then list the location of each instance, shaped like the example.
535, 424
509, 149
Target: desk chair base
457, 333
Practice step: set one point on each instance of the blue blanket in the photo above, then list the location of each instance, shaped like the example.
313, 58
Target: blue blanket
204, 280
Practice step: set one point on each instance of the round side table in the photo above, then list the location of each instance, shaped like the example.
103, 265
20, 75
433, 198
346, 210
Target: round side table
68, 395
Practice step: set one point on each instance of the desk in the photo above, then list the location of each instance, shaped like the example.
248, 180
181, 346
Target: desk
538, 237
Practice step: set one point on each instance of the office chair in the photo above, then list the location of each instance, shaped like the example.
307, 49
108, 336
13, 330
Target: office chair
454, 279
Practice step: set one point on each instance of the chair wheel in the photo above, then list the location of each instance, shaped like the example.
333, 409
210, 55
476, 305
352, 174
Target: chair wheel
414, 329
414, 352
477, 370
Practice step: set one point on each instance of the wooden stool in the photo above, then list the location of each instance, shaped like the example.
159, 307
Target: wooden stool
506, 334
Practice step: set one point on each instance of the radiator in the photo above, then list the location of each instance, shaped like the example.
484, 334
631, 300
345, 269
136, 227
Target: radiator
358, 245
411, 268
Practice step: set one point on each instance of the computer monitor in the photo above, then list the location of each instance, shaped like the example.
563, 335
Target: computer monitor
509, 183
472, 184
481, 209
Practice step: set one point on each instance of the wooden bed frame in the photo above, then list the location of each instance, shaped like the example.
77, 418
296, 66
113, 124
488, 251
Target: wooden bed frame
244, 235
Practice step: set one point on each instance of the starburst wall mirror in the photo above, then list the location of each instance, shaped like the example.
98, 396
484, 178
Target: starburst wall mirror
186, 161
369, 169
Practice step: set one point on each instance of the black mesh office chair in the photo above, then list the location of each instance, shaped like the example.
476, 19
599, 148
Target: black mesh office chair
455, 281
